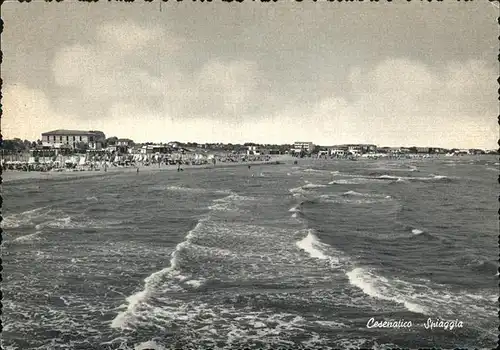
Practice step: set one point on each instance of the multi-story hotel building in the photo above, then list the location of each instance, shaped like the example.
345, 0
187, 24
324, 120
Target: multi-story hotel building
94, 139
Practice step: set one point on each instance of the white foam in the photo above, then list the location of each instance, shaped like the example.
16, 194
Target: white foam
316, 249
380, 288
29, 238
298, 191
311, 185
313, 170
24, 218
310, 244
57, 223
354, 193
331, 324
390, 177
150, 283
149, 345
185, 189
196, 283
230, 202
64, 300
416, 231
355, 181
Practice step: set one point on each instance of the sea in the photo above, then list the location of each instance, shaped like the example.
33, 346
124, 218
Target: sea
290, 256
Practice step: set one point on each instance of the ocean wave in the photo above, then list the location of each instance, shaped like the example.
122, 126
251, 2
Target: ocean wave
416, 231
311, 170
235, 256
477, 264
296, 211
162, 278
314, 247
305, 190
419, 233
389, 177
298, 192
354, 193
432, 177
64, 222
29, 238
149, 345
380, 288
195, 283
311, 185
369, 195
356, 181
485, 266
353, 197
425, 297
185, 189
25, 218
231, 202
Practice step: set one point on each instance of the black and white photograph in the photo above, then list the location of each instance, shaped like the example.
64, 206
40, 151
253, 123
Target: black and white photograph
249, 174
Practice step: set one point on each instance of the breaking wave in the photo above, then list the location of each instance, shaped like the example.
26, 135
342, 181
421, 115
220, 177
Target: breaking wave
29, 238
153, 281
311, 185
314, 248
230, 202
380, 288
423, 296
24, 218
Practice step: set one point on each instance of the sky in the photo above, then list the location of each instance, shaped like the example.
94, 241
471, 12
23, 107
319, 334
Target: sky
392, 74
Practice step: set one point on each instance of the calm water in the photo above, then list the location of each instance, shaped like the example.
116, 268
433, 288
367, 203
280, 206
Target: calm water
273, 255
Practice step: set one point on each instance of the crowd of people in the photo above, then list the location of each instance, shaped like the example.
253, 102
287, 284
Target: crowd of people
103, 162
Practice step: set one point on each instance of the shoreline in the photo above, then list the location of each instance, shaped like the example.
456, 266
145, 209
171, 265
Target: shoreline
11, 176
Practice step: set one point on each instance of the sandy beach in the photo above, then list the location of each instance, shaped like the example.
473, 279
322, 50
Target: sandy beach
13, 175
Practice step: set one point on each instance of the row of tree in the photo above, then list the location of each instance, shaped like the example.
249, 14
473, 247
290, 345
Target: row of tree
18, 145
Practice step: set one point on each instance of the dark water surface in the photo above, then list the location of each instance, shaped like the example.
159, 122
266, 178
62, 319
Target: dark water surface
273, 255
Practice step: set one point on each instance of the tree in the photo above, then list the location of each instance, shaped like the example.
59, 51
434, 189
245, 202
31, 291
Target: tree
111, 141
15, 145
81, 146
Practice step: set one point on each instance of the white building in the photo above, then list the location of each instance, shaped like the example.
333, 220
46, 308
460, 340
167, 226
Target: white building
93, 139
253, 150
307, 147
153, 149
337, 152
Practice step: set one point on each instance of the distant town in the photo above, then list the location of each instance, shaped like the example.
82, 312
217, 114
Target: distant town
70, 148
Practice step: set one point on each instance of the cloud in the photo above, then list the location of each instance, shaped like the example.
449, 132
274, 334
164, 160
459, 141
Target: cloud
129, 36
119, 65
27, 113
148, 92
